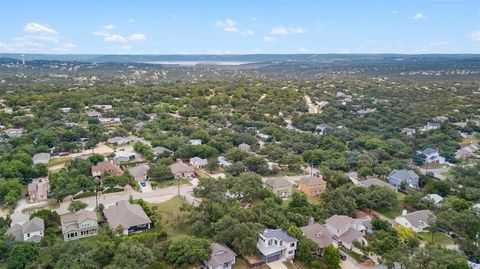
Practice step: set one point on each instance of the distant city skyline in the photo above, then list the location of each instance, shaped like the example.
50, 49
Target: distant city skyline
239, 27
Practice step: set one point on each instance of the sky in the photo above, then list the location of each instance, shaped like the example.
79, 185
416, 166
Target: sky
239, 26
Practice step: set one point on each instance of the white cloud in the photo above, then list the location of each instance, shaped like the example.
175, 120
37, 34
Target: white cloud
286, 31
231, 29
474, 36
115, 38
131, 20
247, 32
303, 50
395, 12
109, 27
296, 30
418, 17
137, 37
227, 23
40, 29
279, 31
269, 39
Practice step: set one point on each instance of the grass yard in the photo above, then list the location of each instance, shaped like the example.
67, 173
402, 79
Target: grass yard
241, 264
356, 256
396, 211
168, 183
169, 211
438, 238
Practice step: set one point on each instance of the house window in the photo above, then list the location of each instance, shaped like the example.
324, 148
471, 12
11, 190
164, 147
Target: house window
292, 245
270, 242
290, 252
28, 234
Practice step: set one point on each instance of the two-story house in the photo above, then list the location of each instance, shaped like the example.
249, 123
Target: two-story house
280, 187
222, 257
432, 156
345, 230
30, 231
404, 176
312, 185
38, 190
80, 224
276, 244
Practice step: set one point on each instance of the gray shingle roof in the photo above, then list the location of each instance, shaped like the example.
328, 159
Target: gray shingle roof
318, 233
279, 234
220, 255
126, 215
415, 218
35, 224
376, 182
403, 174
277, 182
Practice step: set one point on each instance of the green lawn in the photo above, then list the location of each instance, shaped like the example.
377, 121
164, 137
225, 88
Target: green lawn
438, 238
356, 256
168, 183
241, 264
396, 211
169, 211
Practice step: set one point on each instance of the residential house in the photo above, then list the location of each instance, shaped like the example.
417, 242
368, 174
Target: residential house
30, 231
434, 198
345, 230
319, 234
110, 121
118, 140
440, 119
130, 217
312, 185
103, 107
161, 151
124, 156
275, 245
195, 141
83, 223
403, 176
198, 162
41, 158
182, 170
94, 114
432, 156
408, 131
280, 187
245, 147
322, 129
105, 168
417, 221
431, 126
222, 257
264, 137
139, 172
65, 109
468, 150
376, 182
14, 132
222, 161
138, 126
38, 190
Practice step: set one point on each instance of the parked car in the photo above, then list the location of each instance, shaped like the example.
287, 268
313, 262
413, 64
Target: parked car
342, 256
63, 153
143, 184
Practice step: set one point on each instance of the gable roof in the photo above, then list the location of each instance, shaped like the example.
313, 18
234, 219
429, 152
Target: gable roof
418, 217
103, 167
312, 180
220, 255
138, 171
126, 215
375, 182
161, 150
339, 221
34, 225
79, 216
278, 234
180, 167
429, 151
277, 182
403, 174
318, 233
433, 197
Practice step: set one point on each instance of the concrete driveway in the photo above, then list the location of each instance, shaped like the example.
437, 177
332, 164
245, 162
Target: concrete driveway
277, 265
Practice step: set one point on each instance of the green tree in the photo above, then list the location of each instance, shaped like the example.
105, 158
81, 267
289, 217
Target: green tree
187, 250
331, 255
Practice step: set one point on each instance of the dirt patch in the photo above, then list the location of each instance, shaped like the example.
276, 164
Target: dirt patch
4, 212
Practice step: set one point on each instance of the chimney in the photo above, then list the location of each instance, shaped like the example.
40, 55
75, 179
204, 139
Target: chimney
404, 212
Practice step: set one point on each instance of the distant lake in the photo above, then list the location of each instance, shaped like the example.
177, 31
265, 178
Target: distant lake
194, 63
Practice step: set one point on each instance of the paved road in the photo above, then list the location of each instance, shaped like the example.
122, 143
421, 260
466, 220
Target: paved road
154, 196
312, 108
350, 263
277, 265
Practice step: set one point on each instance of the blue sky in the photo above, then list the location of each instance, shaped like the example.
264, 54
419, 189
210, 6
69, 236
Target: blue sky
234, 26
